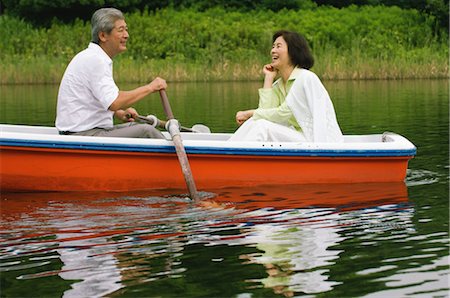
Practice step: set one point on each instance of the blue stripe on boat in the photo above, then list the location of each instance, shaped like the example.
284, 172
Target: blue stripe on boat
266, 151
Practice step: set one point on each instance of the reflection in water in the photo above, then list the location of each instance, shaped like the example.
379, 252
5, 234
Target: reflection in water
293, 254
421, 177
114, 243
89, 263
296, 241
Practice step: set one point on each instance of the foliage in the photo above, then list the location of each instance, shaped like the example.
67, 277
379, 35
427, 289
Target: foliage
439, 9
228, 42
245, 5
42, 12
216, 34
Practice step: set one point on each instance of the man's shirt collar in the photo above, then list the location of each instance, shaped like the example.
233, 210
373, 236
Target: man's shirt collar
98, 49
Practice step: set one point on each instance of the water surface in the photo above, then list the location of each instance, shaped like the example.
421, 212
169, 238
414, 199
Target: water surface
374, 240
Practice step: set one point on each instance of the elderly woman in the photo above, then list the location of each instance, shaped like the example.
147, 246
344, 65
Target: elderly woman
296, 107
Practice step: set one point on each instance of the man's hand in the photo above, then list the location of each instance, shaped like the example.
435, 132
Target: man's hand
157, 84
127, 115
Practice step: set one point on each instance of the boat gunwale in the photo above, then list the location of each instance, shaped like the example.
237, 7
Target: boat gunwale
389, 144
207, 150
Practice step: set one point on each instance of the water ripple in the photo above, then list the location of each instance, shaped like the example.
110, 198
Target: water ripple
421, 177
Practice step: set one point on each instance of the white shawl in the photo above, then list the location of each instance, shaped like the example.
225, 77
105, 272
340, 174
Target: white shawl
312, 108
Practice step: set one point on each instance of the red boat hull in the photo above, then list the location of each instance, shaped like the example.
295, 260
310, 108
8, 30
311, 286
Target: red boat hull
57, 169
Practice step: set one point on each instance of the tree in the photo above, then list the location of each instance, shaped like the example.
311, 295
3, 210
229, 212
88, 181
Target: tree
437, 8
44, 11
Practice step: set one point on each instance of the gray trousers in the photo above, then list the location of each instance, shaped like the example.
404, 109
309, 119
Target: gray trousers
125, 130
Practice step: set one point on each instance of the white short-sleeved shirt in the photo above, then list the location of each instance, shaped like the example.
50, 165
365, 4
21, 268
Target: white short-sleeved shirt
87, 90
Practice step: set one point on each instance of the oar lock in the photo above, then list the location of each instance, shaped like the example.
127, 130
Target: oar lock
173, 127
152, 120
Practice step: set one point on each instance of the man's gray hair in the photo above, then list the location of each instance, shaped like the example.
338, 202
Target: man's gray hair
103, 21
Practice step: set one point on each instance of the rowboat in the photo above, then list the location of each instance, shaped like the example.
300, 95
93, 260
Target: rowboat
37, 158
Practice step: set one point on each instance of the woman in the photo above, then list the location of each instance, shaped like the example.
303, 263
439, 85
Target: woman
296, 107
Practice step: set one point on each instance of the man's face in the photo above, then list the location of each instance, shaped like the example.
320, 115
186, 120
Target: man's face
115, 42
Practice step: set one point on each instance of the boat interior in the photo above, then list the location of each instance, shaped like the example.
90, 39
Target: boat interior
52, 131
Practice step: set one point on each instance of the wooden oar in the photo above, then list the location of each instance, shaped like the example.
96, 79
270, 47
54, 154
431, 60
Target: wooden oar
199, 128
174, 130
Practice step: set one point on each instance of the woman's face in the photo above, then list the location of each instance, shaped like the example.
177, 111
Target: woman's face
280, 54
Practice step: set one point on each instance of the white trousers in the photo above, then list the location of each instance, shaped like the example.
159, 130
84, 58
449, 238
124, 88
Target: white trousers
266, 131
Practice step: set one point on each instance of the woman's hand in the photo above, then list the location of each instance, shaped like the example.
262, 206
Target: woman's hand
243, 116
270, 73
268, 69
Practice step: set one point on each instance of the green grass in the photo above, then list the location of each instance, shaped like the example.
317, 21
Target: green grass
330, 66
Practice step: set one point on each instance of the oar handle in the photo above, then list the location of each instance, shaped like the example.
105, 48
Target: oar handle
166, 104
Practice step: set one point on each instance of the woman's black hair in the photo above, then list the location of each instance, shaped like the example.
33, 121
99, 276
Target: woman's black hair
298, 48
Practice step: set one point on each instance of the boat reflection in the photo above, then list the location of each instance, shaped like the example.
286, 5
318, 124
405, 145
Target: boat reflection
342, 196
107, 241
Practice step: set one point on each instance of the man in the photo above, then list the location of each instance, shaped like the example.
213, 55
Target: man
88, 97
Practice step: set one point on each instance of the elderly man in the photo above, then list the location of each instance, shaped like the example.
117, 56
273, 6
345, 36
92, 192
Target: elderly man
88, 97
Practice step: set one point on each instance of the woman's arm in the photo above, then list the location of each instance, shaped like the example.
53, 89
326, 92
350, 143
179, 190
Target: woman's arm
266, 96
281, 114
270, 73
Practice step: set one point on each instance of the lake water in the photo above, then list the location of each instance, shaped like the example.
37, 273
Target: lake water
372, 240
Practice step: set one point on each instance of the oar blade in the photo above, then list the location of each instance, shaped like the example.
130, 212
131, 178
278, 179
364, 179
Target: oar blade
185, 167
200, 128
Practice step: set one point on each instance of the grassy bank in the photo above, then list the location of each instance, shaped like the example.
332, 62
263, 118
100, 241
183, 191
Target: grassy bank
49, 70
187, 45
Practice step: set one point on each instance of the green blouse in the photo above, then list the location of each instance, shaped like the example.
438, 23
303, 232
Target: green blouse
272, 102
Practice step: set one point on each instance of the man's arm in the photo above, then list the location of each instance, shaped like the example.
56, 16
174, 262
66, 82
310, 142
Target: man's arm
126, 99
